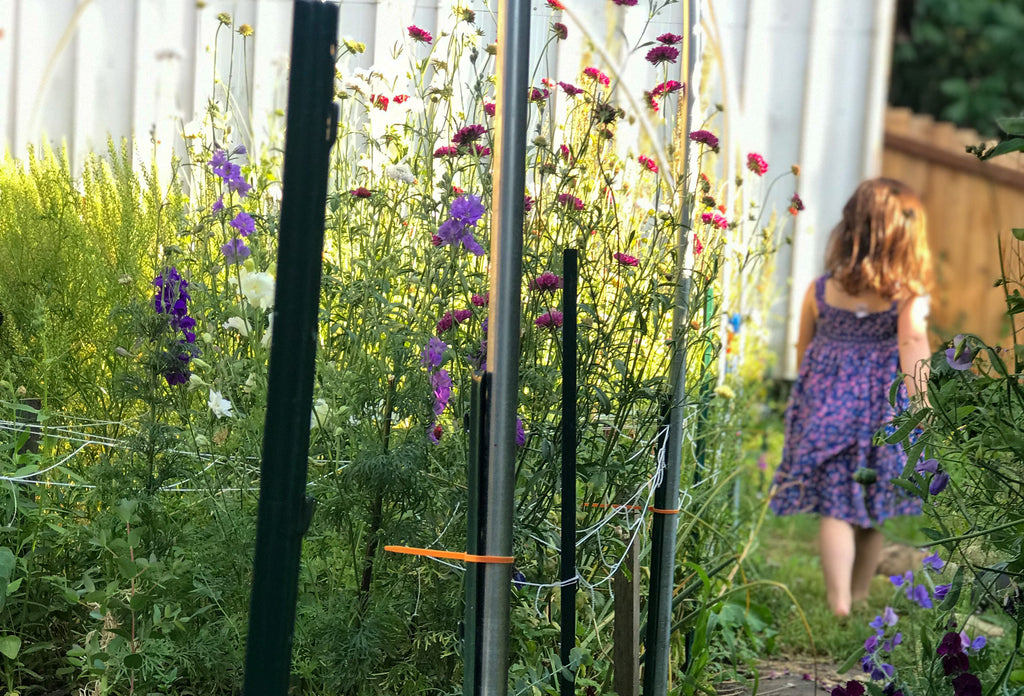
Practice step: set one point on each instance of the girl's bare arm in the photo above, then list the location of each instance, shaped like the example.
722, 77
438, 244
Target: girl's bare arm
808, 323
912, 334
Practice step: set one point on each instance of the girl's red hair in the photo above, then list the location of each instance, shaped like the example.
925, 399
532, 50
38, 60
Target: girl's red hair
881, 244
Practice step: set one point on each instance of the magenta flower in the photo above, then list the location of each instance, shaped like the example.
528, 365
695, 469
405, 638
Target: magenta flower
551, 319
626, 259
520, 433
667, 88
546, 282
570, 201
489, 108
795, 204
705, 137
480, 150
570, 89
596, 75
361, 192
698, 247
417, 34
649, 164
564, 152
446, 151
461, 315
625, 3
468, 134
481, 300
669, 39
662, 54
527, 203
538, 94
561, 31
756, 164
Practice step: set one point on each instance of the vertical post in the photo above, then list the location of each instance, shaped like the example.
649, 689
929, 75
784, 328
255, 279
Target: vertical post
626, 630
666, 496
486, 668
567, 621
284, 509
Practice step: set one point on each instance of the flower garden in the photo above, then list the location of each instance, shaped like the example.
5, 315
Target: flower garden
138, 306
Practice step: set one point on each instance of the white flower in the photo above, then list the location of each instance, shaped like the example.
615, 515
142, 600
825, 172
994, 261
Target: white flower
258, 288
400, 172
250, 382
265, 341
195, 381
220, 406
319, 413
238, 324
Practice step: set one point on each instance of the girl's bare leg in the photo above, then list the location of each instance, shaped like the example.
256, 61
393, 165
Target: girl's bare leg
838, 551
868, 545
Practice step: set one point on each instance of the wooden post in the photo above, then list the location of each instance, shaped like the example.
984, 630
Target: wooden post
626, 632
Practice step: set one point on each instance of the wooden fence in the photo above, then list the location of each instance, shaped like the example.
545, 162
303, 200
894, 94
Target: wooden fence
971, 205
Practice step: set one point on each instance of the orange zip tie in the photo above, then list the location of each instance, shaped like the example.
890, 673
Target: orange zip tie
451, 555
664, 512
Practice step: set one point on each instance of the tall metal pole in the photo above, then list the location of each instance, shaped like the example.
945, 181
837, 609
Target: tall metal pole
486, 665
666, 496
284, 510
567, 621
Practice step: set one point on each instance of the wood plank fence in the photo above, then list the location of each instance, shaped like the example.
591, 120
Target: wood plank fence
971, 205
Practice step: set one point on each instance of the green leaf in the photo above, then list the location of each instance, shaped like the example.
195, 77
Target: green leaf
133, 660
1012, 125
853, 659
7, 563
933, 534
953, 595
603, 400
1007, 146
10, 646
1018, 233
13, 586
909, 424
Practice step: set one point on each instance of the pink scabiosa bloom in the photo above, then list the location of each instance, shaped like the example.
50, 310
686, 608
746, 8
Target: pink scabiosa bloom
596, 75
648, 164
417, 34
626, 259
564, 152
527, 203
555, 5
435, 240
561, 31
551, 319
662, 54
795, 204
570, 89
446, 151
756, 164
625, 3
489, 108
568, 200
667, 87
461, 315
445, 323
480, 150
546, 282
481, 300
705, 137
468, 134
669, 39
361, 192
538, 94
697, 246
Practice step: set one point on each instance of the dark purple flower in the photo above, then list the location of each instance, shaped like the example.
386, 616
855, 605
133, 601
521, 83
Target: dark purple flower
480, 300
235, 251
669, 39
852, 688
538, 94
434, 432
546, 282
551, 319
433, 353
662, 54
706, 137
570, 201
570, 89
625, 3
468, 134
939, 483
527, 203
950, 644
928, 466
244, 223
960, 356
955, 663
871, 643
361, 192
561, 31
461, 315
966, 685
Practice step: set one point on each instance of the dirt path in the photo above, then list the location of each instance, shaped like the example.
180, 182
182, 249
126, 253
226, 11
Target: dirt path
790, 677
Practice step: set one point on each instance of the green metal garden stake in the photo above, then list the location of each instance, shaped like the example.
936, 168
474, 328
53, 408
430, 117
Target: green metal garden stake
284, 509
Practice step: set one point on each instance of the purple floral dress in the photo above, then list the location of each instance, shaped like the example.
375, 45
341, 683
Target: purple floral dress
839, 401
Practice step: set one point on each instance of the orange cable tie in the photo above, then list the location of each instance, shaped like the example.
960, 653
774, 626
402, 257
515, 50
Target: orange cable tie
664, 512
451, 555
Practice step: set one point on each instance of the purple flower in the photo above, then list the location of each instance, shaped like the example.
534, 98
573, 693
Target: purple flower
939, 483
434, 432
235, 251
960, 356
546, 282
441, 383
888, 645
669, 39
467, 209
520, 432
706, 137
244, 223
462, 315
551, 319
928, 466
933, 562
433, 353
871, 644
570, 201
950, 644
966, 685
468, 134
218, 205
662, 54
941, 591
975, 645
852, 688
561, 31
898, 580
570, 89
481, 300
919, 594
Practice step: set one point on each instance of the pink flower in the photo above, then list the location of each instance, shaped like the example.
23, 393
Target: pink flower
417, 34
445, 323
527, 203
667, 88
625, 3
564, 152
546, 282
570, 89
489, 108
468, 134
652, 103
706, 137
537, 94
662, 54
436, 240
595, 74
551, 319
480, 150
720, 222
446, 151
481, 300
570, 201
561, 31
361, 192
379, 101
669, 39
555, 5
649, 164
697, 246
756, 164
626, 259
461, 315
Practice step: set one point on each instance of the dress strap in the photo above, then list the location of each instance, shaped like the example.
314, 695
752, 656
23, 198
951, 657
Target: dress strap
819, 291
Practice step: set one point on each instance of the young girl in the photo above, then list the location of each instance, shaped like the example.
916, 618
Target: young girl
862, 323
